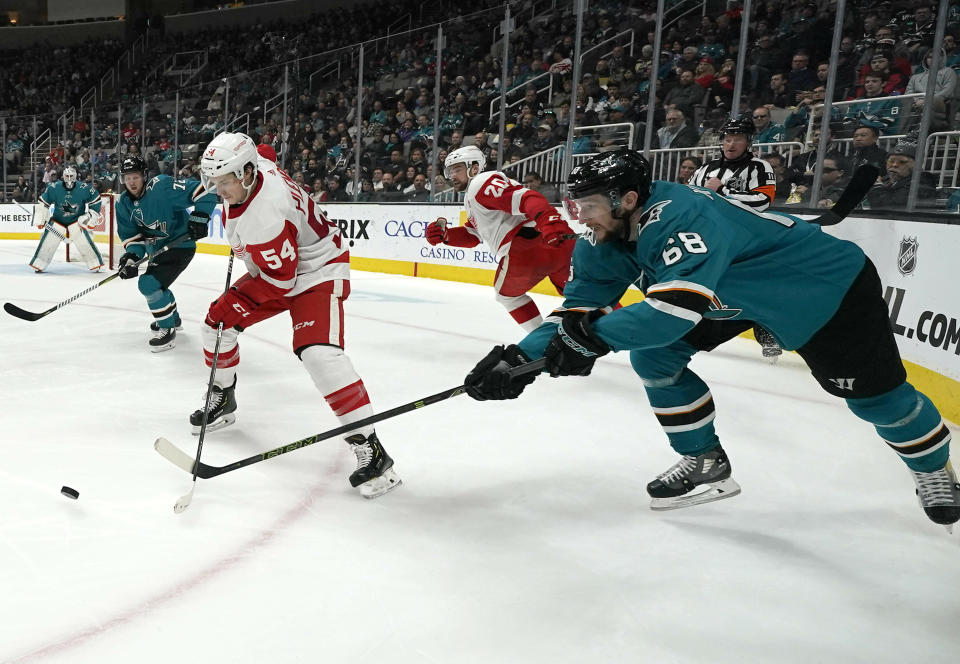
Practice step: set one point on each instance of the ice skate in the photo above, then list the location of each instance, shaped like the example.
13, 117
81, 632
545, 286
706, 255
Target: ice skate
155, 326
163, 339
939, 495
692, 481
374, 475
768, 345
221, 409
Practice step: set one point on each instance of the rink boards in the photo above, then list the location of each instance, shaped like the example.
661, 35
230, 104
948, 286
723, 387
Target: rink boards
915, 261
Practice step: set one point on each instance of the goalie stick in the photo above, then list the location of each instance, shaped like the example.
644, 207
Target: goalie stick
178, 457
14, 310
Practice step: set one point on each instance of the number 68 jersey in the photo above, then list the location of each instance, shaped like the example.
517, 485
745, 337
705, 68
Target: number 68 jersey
287, 245
700, 255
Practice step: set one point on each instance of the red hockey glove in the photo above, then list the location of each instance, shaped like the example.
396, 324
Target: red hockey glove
436, 231
552, 227
231, 309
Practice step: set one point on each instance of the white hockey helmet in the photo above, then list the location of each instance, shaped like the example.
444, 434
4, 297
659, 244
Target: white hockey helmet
466, 155
227, 153
69, 177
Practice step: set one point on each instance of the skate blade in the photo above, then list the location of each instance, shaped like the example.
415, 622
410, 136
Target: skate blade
160, 349
222, 423
380, 485
727, 488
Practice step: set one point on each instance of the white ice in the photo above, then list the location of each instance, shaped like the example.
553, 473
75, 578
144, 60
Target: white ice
521, 533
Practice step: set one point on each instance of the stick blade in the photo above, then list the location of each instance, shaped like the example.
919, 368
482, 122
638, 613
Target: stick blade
174, 454
23, 314
183, 502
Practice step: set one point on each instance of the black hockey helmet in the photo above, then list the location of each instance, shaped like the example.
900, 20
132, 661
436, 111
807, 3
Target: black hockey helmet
611, 173
133, 164
742, 125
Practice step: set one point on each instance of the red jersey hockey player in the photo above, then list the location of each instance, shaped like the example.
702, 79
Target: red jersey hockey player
517, 224
296, 262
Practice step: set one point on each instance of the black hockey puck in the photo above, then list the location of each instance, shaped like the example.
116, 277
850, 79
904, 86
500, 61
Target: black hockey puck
69, 493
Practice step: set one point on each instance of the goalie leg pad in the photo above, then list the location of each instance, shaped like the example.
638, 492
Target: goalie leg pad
41, 215
82, 241
333, 374
53, 233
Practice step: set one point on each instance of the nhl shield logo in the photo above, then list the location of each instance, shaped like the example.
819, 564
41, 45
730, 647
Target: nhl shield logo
907, 261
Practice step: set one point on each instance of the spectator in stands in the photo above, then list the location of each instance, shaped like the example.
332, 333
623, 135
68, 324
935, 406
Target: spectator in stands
545, 139
14, 152
480, 140
943, 94
710, 130
688, 60
703, 75
418, 160
777, 96
762, 61
721, 90
801, 79
688, 166
782, 176
524, 134
534, 181
893, 190
767, 131
456, 142
866, 150
710, 48
676, 133
389, 192
418, 191
685, 95
317, 193
336, 194
882, 114
509, 150
833, 182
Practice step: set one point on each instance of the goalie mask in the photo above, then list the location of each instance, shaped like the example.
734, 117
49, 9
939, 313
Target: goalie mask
69, 177
467, 155
611, 175
228, 153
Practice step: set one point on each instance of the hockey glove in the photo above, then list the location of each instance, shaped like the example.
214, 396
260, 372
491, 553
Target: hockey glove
574, 348
552, 227
230, 309
197, 225
127, 267
436, 231
490, 378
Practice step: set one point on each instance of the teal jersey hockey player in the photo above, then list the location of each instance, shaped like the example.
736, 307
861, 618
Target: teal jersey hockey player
711, 269
150, 216
67, 211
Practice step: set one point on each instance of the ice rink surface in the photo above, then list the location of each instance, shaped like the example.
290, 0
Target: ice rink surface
521, 533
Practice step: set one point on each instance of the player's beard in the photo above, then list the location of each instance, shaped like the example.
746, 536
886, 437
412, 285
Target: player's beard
615, 235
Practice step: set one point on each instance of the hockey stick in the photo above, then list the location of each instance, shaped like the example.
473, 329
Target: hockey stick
180, 458
14, 310
856, 190
184, 501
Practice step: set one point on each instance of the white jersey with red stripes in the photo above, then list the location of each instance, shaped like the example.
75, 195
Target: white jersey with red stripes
285, 242
495, 209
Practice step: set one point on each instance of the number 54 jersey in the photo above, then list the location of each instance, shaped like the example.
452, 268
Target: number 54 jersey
700, 255
287, 245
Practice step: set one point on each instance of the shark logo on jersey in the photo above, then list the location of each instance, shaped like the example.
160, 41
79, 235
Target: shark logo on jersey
137, 217
69, 207
907, 260
719, 311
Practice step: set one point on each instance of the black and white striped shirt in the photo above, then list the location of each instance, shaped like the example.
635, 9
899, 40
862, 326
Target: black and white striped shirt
748, 179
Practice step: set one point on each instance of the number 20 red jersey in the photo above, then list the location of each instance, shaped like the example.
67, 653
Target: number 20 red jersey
497, 207
287, 245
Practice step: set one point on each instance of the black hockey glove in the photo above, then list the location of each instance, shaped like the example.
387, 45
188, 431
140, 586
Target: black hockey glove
490, 378
128, 269
197, 225
574, 348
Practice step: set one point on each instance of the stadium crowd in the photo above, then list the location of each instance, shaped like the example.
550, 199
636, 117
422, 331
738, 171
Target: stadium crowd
885, 53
